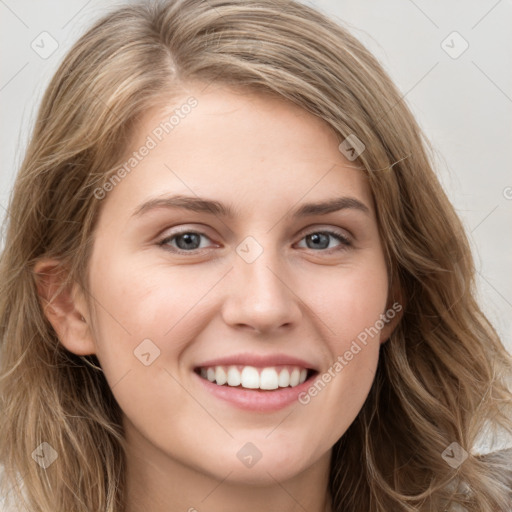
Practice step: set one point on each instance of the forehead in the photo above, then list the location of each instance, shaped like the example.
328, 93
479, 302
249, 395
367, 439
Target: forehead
255, 149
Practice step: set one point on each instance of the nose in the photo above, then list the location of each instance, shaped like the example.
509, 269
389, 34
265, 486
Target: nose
260, 295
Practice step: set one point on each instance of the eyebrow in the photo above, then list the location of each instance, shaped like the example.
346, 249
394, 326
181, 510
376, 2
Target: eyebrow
197, 204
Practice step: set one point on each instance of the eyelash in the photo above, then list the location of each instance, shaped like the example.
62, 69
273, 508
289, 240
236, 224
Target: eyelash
345, 242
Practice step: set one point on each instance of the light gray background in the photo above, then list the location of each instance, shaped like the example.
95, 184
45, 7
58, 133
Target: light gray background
464, 104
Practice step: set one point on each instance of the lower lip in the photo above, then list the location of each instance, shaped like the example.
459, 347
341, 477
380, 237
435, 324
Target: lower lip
255, 399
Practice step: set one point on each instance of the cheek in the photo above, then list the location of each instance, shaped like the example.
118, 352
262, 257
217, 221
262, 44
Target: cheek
348, 303
341, 388
339, 393
145, 316
141, 300
351, 318
146, 312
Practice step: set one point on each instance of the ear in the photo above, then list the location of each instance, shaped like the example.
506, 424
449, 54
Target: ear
393, 314
65, 307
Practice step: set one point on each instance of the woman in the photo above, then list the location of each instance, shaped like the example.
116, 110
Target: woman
320, 348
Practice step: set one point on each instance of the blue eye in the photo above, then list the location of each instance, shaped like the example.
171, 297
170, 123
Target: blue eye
185, 241
320, 240
189, 241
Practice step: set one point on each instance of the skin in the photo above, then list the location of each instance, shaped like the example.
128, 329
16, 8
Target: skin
310, 299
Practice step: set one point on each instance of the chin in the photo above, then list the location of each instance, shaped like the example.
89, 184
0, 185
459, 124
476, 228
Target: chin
264, 468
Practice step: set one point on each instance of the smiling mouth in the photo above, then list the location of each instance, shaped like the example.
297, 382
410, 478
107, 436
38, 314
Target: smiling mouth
253, 378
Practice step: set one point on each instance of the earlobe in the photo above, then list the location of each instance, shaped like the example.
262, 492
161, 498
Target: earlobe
393, 314
64, 307
390, 324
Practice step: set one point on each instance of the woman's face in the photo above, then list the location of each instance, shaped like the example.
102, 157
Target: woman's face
257, 287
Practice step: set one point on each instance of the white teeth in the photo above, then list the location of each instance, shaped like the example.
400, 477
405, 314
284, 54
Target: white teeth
284, 378
233, 376
220, 376
269, 379
294, 377
250, 377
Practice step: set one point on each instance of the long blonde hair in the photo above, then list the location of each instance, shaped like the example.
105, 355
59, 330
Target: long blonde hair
442, 375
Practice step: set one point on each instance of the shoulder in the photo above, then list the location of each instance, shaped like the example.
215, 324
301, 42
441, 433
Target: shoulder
499, 464
499, 459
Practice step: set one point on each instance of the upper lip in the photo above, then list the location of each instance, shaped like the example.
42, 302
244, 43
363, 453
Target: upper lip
257, 360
